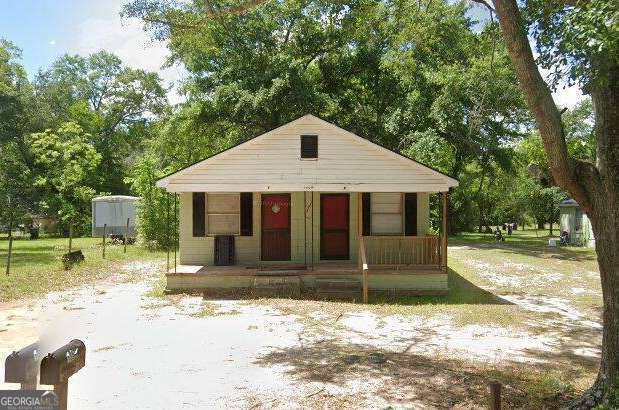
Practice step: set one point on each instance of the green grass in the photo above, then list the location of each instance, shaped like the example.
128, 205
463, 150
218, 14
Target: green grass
36, 266
527, 257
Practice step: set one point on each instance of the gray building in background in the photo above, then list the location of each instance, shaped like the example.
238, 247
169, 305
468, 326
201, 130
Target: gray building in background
576, 223
113, 212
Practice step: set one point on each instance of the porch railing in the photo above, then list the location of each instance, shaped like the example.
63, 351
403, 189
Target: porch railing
403, 251
398, 252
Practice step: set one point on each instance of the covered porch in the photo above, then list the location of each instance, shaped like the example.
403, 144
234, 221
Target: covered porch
411, 263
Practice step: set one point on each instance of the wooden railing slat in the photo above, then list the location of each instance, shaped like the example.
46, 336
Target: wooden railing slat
400, 251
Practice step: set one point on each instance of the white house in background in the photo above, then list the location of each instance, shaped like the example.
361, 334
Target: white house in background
576, 223
309, 205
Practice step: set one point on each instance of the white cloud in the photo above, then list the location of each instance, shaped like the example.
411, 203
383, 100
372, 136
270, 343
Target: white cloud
564, 96
105, 30
52, 43
568, 96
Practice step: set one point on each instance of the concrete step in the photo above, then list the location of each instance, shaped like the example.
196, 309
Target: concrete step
338, 288
277, 286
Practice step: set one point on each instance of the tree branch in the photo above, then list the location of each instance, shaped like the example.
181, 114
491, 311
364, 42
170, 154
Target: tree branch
485, 4
540, 101
232, 11
209, 12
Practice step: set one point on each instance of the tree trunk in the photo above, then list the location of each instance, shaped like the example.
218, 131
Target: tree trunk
550, 228
595, 187
604, 216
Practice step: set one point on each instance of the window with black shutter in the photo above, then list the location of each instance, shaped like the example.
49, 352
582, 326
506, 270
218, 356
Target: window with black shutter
367, 214
199, 214
247, 214
309, 146
410, 214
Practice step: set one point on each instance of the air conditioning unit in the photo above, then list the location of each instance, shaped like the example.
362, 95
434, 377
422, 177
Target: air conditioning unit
224, 250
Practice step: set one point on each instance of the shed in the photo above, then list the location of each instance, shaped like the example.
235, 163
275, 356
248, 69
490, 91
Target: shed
576, 223
113, 211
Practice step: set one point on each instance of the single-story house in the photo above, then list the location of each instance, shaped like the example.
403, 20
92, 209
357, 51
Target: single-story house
575, 222
309, 206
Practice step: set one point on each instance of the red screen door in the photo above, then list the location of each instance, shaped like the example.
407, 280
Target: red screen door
334, 226
276, 227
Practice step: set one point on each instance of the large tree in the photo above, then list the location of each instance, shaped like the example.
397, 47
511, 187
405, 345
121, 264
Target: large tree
379, 69
110, 101
68, 162
578, 39
17, 116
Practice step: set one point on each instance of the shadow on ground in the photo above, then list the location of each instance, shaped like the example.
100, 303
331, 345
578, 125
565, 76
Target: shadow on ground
461, 292
399, 379
530, 246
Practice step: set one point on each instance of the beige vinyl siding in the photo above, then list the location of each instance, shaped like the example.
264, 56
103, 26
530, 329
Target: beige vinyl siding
199, 250
272, 163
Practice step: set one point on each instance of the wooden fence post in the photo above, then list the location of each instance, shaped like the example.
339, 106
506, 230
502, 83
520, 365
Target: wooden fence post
70, 235
8, 261
104, 229
495, 395
126, 235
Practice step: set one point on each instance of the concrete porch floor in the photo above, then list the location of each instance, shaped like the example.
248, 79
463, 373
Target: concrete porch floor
296, 270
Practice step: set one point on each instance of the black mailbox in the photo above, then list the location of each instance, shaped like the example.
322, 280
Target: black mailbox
57, 367
22, 366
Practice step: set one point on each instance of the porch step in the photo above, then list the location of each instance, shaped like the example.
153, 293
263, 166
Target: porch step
338, 288
277, 286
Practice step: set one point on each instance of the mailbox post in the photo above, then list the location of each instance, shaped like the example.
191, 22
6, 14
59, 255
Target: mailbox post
23, 367
57, 367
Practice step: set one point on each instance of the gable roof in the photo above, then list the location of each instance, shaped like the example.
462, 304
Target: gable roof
279, 147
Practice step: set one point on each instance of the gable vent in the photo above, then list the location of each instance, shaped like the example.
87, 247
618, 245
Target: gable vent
309, 146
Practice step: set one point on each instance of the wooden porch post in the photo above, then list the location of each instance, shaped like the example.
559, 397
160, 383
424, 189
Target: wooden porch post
359, 221
361, 251
444, 232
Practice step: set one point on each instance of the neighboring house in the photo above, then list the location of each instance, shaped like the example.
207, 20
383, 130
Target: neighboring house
309, 205
44, 222
576, 223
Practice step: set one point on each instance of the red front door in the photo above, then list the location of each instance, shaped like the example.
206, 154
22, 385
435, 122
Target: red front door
276, 227
334, 226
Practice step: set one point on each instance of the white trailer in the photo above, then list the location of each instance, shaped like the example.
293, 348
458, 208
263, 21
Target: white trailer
112, 212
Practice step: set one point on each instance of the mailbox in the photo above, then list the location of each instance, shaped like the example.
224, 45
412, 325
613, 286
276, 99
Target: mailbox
23, 366
57, 367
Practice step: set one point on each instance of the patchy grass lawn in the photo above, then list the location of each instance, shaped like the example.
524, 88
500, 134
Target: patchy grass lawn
518, 312
36, 266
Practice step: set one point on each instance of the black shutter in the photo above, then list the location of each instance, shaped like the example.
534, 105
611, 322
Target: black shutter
199, 214
309, 146
410, 214
367, 214
247, 214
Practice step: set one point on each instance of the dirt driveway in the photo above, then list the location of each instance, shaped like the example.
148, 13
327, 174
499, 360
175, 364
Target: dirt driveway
148, 352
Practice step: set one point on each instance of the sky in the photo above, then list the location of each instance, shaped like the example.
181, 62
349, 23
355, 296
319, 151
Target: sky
47, 29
